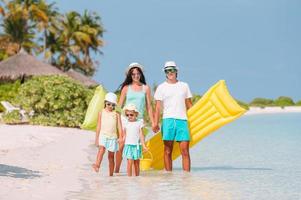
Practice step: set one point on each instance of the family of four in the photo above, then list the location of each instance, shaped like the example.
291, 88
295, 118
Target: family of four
122, 134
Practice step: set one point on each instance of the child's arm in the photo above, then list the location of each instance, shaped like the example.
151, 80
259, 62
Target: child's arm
98, 129
119, 127
141, 136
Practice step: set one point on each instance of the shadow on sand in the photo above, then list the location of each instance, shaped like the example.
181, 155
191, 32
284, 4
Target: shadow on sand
18, 172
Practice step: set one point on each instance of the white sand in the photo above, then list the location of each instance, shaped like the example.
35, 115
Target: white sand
273, 110
39, 162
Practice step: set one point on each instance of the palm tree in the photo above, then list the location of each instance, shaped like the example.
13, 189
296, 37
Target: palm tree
17, 32
19, 22
78, 34
91, 25
66, 40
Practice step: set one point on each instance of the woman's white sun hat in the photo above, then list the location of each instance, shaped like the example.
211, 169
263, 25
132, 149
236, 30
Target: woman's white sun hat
132, 65
111, 97
130, 107
170, 65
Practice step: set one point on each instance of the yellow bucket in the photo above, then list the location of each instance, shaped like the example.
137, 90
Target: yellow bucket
145, 163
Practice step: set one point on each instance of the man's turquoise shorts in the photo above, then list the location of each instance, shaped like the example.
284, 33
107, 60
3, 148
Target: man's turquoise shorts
175, 129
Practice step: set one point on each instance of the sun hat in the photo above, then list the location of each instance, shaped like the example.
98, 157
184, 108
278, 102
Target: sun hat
170, 65
111, 97
130, 107
132, 65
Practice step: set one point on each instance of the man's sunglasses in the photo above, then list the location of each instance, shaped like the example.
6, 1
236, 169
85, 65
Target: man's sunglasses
170, 71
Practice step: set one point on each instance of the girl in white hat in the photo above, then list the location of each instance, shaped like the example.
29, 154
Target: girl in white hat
106, 133
132, 137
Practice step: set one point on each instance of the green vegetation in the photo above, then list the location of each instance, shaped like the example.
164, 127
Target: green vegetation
281, 101
36, 26
262, 102
13, 117
284, 101
195, 98
8, 91
243, 104
55, 100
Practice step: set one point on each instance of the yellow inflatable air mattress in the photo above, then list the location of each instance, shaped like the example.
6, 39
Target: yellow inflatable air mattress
215, 109
95, 106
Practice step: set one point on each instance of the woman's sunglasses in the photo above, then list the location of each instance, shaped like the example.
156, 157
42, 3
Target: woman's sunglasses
135, 74
170, 71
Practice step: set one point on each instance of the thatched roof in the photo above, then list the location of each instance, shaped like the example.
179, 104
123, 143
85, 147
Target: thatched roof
85, 80
23, 64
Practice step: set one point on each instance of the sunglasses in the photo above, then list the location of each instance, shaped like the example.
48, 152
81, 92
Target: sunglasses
135, 74
129, 115
110, 104
170, 71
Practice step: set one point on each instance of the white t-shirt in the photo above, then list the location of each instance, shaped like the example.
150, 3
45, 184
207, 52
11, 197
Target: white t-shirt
173, 99
132, 132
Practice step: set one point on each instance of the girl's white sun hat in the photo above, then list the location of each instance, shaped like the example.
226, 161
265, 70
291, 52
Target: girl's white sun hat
130, 107
132, 65
111, 97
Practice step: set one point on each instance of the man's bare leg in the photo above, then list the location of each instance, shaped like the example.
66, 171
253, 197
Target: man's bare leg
184, 147
168, 146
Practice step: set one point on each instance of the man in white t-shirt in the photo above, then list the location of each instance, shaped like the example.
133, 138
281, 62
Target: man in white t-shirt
175, 98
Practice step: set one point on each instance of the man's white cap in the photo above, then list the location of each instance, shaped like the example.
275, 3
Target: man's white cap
132, 65
170, 65
111, 97
130, 107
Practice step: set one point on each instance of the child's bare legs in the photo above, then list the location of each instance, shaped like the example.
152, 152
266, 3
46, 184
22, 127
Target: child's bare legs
99, 157
129, 167
119, 158
137, 166
111, 162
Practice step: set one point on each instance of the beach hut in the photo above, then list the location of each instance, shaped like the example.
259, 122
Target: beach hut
23, 65
85, 80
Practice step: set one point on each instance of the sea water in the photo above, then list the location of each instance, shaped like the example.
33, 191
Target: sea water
254, 157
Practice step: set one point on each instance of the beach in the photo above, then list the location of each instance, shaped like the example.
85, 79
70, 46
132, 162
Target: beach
41, 162
38, 162
273, 110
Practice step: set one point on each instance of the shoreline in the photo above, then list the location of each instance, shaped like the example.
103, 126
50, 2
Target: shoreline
273, 110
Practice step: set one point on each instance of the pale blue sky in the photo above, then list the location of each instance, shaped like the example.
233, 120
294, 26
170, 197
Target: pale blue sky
255, 45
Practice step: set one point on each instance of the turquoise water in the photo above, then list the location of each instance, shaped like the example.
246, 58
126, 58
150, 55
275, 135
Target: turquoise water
255, 157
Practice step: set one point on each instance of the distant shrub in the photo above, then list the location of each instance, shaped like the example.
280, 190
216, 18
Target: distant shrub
8, 91
243, 104
262, 102
195, 98
55, 100
298, 103
284, 101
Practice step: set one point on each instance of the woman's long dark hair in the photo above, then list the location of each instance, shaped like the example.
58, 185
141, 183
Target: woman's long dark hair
128, 79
